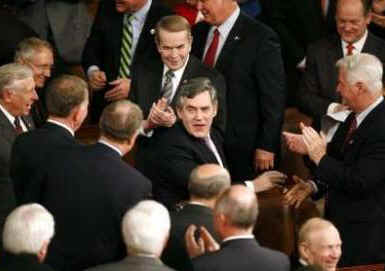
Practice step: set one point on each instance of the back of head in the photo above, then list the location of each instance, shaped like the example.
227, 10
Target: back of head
11, 74
239, 205
29, 47
146, 228
27, 229
172, 23
365, 68
208, 181
64, 93
120, 121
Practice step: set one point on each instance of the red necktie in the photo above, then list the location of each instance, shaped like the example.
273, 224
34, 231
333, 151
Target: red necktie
352, 128
212, 51
17, 124
350, 49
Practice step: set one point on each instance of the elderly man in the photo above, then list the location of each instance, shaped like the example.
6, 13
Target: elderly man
317, 93
235, 214
192, 141
145, 230
206, 184
120, 38
17, 94
38, 55
27, 233
319, 244
349, 170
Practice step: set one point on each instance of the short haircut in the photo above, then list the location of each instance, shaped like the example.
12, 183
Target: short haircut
64, 93
310, 226
11, 74
146, 228
27, 228
208, 187
364, 68
27, 48
120, 120
172, 23
237, 212
366, 6
194, 87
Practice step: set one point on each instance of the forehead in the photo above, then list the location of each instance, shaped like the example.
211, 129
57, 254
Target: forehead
173, 37
325, 237
201, 100
350, 8
42, 54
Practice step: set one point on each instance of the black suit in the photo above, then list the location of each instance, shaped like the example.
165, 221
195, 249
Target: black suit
242, 254
175, 254
354, 179
173, 155
251, 63
319, 83
88, 189
147, 85
23, 261
104, 44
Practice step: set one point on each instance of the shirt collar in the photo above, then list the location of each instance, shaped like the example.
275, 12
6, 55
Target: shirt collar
358, 45
8, 115
141, 14
245, 236
362, 115
178, 73
111, 146
303, 262
62, 125
225, 28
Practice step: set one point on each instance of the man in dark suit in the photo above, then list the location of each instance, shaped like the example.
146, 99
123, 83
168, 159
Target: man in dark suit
89, 188
317, 93
173, 40
248, 55
17, 94
235, 214
145, 230
31, 150
109, 70
206, 184
27, 233
349, 170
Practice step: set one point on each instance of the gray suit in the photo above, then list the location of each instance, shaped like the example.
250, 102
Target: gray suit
136, 263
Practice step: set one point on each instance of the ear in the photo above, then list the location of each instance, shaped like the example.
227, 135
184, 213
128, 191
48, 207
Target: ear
361, 88
215, 108
7, 95
42, 252
179, 112
132, 141
305, 253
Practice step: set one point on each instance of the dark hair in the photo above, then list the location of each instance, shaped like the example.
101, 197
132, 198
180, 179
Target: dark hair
194, 87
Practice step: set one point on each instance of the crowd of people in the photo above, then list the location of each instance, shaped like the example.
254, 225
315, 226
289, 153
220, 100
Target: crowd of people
201, 100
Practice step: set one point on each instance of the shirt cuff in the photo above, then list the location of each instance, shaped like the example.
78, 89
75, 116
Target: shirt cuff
302, 64
332, 108
250, 185
146, 134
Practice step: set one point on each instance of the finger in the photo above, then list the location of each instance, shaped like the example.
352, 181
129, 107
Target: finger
190, 236
115, 82
297, 179
210, 242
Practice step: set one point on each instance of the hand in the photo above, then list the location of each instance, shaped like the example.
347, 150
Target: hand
268, 180
378, 6
264, 160
315, 143
120, 90
205, 242
162, 114
295, 142
378, 19
97, 80
298, 193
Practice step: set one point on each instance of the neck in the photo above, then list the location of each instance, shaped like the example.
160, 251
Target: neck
234, 232
64, 121
7, 109
121, 146
365, 103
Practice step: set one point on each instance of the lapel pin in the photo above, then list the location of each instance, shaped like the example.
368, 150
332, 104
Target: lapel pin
152, 31
351, 141
237, 38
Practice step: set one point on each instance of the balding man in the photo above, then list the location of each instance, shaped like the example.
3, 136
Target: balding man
319, 244
206, 184
235, 214
349, 169
27, 234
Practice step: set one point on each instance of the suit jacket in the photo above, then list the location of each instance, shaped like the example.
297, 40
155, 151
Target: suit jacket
88, 189
354, 180
319, 82
146, 85
175, 254
170, 157
251, 63
242, 254
27, 262
103, 46
30, 154
136, 263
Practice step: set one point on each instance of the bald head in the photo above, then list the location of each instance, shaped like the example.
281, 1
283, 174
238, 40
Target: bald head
208, 181
239, 205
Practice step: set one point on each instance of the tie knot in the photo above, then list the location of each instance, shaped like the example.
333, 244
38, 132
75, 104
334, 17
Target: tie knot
129, 18
350, 48
170, 74
16, 122
216, 32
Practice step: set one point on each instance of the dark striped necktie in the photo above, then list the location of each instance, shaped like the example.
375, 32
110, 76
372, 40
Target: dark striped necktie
126, 53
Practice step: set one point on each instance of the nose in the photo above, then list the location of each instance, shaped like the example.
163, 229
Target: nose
198, 115
174, 52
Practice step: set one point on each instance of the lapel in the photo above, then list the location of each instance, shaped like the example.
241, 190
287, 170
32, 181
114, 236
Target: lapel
6, 128
201, 31
116, 26
371, 46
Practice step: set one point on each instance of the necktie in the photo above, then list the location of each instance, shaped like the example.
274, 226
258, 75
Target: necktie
349, 49
18, 127
168, 86
126, 49
212, 50
352, 127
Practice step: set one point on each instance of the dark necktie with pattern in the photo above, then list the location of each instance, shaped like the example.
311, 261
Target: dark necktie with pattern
168, 86
18, 127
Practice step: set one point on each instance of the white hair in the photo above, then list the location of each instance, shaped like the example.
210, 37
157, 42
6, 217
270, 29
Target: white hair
146, 228
12, 74
365, 68
27, 228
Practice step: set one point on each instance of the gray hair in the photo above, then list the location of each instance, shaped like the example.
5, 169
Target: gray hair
365, 68
194, 87
27, 228
312, 225
146, 228
27, 48
11, 74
